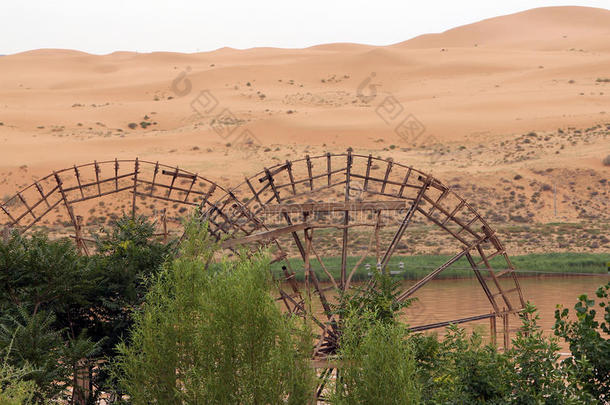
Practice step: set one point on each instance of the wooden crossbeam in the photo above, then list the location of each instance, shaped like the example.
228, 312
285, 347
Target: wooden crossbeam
291, 176
455, 211
392, 182
98, 183
116, 174
97, 176
174, 174
386, 176
44, 198
348, 172
403, 225
306, 180
309, 171
76, 172
482, 282
453, 322
276, 194
328, 167
135, 188
90, 197
335, 206
405, 182
270, 173
436, 272
190, 188
368, 171
264, 236
178, 173
27, 207
39, 188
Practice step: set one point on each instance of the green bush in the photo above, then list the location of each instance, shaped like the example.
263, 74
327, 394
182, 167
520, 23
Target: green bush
539, 378
590, 360
461, 369
210, 332
14, 388
378, 364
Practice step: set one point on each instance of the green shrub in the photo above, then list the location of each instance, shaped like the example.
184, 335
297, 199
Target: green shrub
378, 364
210, 332
539, 378
14, 388
590, 361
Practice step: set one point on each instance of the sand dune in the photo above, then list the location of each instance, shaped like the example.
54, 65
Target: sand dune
476, 90
547, 29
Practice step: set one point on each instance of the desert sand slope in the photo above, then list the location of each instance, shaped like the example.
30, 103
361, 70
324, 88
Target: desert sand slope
545, 29
476, 91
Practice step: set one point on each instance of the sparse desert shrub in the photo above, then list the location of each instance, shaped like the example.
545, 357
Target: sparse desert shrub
606, 161
132, 125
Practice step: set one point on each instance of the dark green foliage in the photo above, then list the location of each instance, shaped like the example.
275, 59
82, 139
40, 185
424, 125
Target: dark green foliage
63, 308
128, 255
590, 361
39, 273
461, 369
211, 333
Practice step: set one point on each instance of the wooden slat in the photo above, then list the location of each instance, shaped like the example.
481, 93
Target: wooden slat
264, 236
178, 173
404, 182
368, 171
78, 181
328, 167
455, 210
291, 176
403, 226
97, 176
98, 183
348, 171
335, 206
309, 172
387, 175
436, 272
39, 188
152, 183
392, 182
135, 188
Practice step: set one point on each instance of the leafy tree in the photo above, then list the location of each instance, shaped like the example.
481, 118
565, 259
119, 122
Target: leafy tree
210, 332
40, 274
73, 307
590, 360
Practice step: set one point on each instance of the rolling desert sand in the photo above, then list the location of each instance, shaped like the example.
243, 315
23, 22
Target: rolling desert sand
512, 107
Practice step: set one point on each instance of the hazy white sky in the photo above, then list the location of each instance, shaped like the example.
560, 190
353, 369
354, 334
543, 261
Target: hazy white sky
104, 26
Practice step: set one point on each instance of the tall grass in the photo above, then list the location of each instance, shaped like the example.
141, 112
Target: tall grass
415, 267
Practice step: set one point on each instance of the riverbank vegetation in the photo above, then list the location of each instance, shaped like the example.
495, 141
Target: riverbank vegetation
142, 322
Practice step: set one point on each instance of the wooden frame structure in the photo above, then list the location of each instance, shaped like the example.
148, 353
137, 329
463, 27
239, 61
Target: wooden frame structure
68, 190
286, 206
358, 207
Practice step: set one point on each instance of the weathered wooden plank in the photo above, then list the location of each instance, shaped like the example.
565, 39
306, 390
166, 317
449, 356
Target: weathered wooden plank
335, 206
